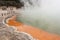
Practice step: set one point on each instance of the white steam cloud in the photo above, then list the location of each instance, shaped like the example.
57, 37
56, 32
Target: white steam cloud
44, 14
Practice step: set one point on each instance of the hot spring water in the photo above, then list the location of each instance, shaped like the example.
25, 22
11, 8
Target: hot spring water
44, 14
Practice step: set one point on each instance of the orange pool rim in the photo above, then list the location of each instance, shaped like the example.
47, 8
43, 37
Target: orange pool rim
38, 34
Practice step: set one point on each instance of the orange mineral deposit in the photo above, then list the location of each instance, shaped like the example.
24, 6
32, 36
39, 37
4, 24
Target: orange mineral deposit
34, 32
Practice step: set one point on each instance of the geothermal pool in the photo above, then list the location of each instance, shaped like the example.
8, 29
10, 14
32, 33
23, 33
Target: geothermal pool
44, 14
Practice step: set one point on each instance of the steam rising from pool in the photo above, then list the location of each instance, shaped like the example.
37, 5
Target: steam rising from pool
44, 14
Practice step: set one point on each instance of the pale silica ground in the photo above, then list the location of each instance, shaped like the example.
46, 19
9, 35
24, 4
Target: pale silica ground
10, 33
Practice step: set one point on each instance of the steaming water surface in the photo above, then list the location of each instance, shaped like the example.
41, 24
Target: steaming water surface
44, 14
